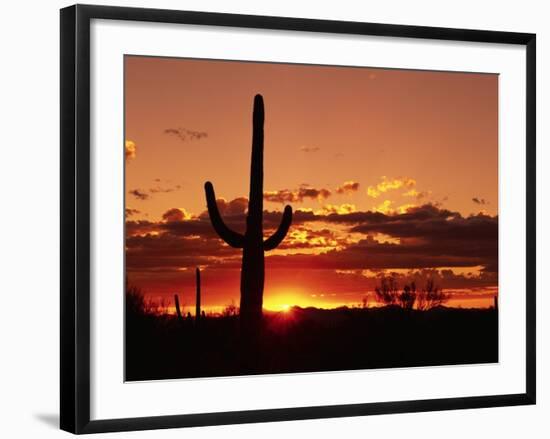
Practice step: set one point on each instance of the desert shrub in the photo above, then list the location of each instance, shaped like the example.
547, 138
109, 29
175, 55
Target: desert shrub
388, 292
431, 296
135, 301
407, 298
230, 310
137, 305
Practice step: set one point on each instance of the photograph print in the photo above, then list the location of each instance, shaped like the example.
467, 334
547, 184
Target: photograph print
289, 218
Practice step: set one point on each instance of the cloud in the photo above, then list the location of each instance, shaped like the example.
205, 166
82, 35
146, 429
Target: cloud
185, 134
416, 194
166, 252
348, 187
430, 222
128, 212
159, 189
332, 239
388, 184
176, 214
309, 148
139, 194
480, 201
297, 195
369, 253
129, 150
140, 227
384, 207
428, 236
303, 238
337, 209
236, 206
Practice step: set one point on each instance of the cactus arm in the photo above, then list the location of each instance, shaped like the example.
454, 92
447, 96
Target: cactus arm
232, 238
274, 240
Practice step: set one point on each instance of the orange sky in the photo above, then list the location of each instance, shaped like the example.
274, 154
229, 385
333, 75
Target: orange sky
388, 170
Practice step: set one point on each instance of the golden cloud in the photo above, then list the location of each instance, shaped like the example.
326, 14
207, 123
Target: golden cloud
176, 214
384, 207
341, 209
129, 150
388, 184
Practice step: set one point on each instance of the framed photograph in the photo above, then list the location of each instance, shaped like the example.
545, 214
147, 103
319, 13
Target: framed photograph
267, 219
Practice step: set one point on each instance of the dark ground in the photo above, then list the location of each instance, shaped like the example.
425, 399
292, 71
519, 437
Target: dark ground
309, 340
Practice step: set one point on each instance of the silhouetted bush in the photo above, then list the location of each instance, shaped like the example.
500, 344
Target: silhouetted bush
230, 310
431, 296
408, 297
388, 291
135, 302
137, 305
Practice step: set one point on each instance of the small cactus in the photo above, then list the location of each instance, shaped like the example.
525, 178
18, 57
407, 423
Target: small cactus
177, 304
198, 294
252, 241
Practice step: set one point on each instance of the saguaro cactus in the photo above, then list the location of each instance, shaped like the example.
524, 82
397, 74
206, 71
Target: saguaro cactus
252, 241
198, 296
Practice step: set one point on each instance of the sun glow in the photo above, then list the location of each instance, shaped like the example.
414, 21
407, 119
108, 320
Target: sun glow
284, 299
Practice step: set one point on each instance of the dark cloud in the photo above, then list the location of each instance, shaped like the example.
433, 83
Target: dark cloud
237, 206
139, 194
176, 214
480, 201
169, 252
297, 195
428, 237
185, 134
160, 189
348, 187
371, 254
369, 218
140, 227
425, 237
128, 212
419, 223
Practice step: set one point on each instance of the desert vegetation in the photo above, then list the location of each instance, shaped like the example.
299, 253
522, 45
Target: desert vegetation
162, 345
408, 297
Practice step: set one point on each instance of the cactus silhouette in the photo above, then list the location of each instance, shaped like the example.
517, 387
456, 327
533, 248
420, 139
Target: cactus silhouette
252, 241
198, 296
177, 305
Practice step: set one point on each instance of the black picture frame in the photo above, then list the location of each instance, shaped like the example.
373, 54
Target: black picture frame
75, 217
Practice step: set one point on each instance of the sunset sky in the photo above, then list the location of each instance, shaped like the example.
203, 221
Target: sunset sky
386, 170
